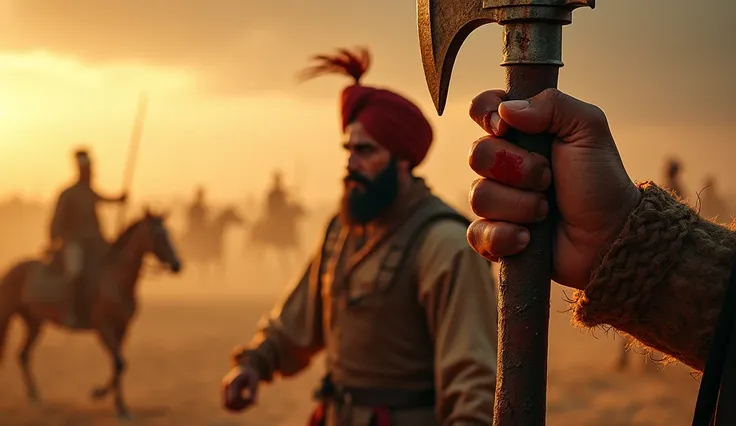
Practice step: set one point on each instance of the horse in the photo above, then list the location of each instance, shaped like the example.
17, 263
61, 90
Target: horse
210, 251
30, 291
279, 235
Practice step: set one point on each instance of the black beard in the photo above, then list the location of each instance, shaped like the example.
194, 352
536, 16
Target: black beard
360, 206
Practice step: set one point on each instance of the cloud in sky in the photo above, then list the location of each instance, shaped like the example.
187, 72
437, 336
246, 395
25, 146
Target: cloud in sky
658, 57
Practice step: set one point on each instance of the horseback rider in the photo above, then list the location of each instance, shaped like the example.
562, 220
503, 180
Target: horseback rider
198, 215
277, 203
75, 228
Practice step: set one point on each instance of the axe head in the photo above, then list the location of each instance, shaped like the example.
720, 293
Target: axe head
445, 24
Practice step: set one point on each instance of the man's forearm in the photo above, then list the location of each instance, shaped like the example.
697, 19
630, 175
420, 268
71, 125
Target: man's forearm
262, 358
287, 340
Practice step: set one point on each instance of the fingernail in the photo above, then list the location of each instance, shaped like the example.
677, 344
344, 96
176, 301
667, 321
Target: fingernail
516, 105
495, 121
546, 178
523, 238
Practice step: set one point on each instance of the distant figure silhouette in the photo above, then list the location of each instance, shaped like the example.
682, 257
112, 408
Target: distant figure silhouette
198, 212
673, 175
712, 205
75, 227
277, 228
276, 204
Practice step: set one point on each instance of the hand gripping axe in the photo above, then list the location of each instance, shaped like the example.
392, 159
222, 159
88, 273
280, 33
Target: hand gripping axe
532, 56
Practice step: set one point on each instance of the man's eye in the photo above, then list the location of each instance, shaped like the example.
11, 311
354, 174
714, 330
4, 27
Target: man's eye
365, 149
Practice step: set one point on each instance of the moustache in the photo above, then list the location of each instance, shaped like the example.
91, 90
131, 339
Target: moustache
358, 178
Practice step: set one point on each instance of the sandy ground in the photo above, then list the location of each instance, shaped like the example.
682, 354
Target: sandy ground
179, 346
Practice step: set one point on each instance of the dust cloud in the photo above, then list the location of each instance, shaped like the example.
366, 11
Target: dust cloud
179, 345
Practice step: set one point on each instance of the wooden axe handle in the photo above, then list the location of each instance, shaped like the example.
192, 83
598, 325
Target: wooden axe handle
525, 283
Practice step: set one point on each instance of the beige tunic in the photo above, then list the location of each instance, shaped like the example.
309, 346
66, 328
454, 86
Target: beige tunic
76, 223
435, 327
75, 215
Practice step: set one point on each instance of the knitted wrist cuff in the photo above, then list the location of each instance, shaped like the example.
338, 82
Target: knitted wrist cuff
621, 288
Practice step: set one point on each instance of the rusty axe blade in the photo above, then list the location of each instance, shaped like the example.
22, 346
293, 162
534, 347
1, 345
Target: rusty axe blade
532, 56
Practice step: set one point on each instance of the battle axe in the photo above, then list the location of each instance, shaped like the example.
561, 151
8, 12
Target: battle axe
532, 56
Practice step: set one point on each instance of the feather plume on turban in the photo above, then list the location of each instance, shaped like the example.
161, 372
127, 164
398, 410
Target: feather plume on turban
391, 119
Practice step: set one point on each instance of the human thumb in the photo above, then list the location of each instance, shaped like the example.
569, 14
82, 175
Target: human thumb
554, 112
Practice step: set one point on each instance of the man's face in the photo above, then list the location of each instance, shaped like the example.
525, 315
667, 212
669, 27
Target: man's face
372, 179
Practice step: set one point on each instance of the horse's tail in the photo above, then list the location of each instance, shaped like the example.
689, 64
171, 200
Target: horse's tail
11, 287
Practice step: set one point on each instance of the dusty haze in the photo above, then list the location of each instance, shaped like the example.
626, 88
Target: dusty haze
225, 107
225, 111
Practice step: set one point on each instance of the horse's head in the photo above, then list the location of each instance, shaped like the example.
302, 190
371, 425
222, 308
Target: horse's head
230, 215
156, 240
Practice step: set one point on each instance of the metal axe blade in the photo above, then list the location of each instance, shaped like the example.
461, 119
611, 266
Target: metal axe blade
445, 24
532, 56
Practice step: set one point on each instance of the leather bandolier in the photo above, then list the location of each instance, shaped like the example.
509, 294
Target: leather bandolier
380, 353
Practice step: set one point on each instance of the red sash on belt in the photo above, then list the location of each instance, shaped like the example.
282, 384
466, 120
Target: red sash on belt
318, 416
382, 401
381, 417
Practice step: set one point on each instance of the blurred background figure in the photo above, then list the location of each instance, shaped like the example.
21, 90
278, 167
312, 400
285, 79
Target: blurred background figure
673, 177
712, 203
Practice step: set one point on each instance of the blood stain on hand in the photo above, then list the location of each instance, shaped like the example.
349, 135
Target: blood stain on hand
506, 168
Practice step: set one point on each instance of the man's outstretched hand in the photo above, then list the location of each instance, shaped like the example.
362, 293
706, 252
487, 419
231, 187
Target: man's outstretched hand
240, 388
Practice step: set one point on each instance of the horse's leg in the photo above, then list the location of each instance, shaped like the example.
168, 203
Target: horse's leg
5, 315
112, 337
221, 271
33, 331
203, 271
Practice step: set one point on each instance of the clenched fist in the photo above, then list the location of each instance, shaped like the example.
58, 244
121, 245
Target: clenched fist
594, 193
240, 388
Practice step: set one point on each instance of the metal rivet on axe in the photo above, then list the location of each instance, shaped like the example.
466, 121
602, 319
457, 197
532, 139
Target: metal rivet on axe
532, 56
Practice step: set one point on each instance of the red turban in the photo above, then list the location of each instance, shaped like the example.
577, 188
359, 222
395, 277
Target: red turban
392, 120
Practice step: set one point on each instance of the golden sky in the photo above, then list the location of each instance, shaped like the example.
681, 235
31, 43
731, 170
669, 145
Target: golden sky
225, 108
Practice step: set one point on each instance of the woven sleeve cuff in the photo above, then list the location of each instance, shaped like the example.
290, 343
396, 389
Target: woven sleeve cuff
622, 286
663, 279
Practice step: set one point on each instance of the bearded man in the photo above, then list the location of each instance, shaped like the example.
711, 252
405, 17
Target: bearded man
402, 307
